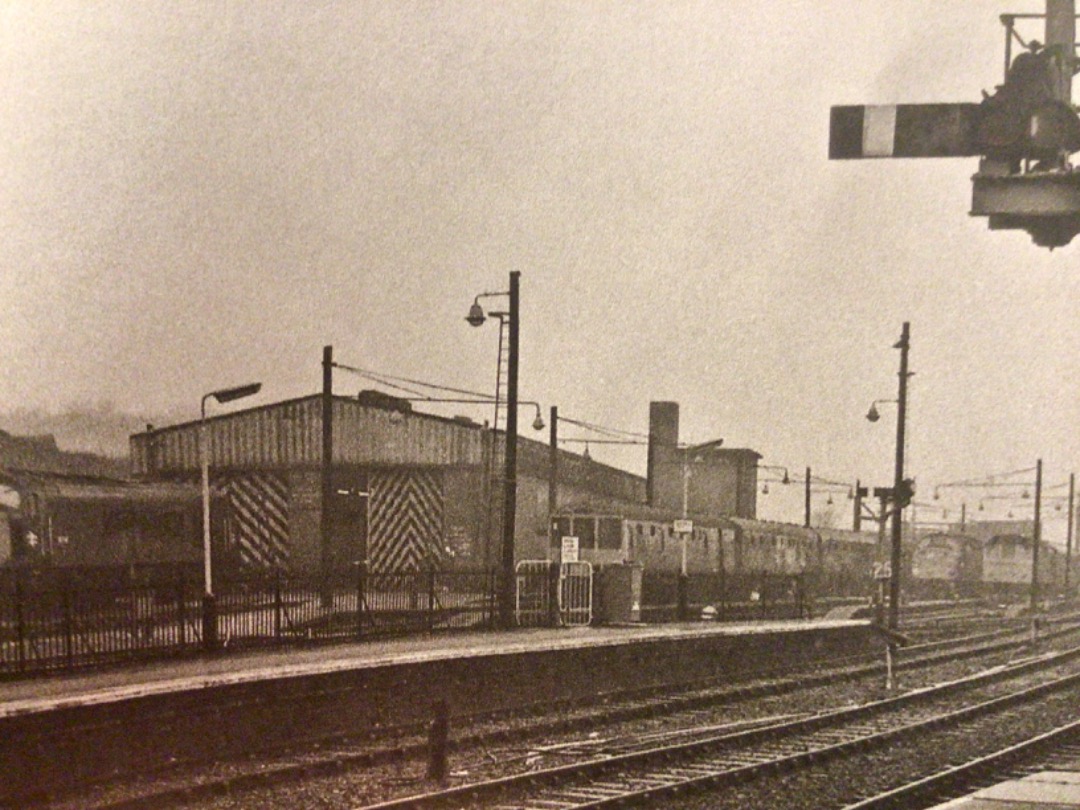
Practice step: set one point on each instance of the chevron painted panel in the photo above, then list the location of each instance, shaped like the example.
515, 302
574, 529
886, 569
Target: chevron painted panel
405, 519
259, 518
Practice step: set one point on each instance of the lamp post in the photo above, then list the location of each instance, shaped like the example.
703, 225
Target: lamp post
901, 488
1036, 539
1069, 532
209, 615
477, 317
806, 500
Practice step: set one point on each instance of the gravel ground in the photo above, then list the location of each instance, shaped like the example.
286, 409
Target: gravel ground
356, 787
842, 781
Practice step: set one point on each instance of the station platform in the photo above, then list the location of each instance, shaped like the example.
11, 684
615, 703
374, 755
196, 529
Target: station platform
61, 733
50, 692
1047, 790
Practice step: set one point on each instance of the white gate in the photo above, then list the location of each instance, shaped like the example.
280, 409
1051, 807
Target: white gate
575, 593
533, 606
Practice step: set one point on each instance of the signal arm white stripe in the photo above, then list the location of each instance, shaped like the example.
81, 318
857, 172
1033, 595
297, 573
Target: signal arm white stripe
879, 130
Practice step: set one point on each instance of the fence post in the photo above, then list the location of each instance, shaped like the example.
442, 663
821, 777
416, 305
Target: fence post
683, 609
431, 599
278, 606
361, 596
20, 622
438, 739
181, 606
209, 622
69, 641
554, 594
493, 596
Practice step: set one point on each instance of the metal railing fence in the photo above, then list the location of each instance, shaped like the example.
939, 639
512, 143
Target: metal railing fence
55, 619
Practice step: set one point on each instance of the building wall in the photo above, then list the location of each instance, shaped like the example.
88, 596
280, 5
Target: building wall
289, 434
391, 518
717, 481
410, 489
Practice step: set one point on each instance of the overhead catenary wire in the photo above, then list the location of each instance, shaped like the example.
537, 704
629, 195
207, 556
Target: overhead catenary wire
403, 384
383, 377
602, 430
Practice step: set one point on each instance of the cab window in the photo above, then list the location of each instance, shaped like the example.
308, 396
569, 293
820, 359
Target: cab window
610, 534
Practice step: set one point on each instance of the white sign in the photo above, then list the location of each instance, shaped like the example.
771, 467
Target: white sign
883, 570
684, 527
9, 497
569, 549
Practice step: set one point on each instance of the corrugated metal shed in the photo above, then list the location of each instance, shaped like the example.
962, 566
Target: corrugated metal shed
289, 434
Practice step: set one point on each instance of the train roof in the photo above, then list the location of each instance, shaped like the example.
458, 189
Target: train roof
88, 489
631, 511
625, 511
1018, 539
771, 527
846, 535
948, 537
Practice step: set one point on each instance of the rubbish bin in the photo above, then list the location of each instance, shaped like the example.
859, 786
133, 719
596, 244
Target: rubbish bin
620, 593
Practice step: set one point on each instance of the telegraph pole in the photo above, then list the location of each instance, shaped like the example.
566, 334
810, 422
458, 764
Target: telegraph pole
1069, 532
806, 499
327, 489
553, 474
898, 480
507, 590
1036, 538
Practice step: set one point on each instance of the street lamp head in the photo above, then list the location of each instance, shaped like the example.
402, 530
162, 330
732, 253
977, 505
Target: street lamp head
476, 316
239, 392
538, 422
872, 415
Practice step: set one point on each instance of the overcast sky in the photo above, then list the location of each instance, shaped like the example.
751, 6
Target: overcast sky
194, 195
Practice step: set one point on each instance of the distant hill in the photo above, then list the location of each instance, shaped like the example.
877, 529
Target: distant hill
99, 429
40, 454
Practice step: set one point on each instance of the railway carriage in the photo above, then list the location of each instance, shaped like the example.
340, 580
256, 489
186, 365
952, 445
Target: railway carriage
775, 548
845, 560
1007, 565
752, 556
947, 565
642, 536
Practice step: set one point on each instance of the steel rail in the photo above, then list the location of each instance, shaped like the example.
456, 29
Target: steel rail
964, 777
656, 781
652, 703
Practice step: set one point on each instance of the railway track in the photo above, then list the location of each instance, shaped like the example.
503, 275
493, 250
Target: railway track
641, 772
1057, 749
486, 732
